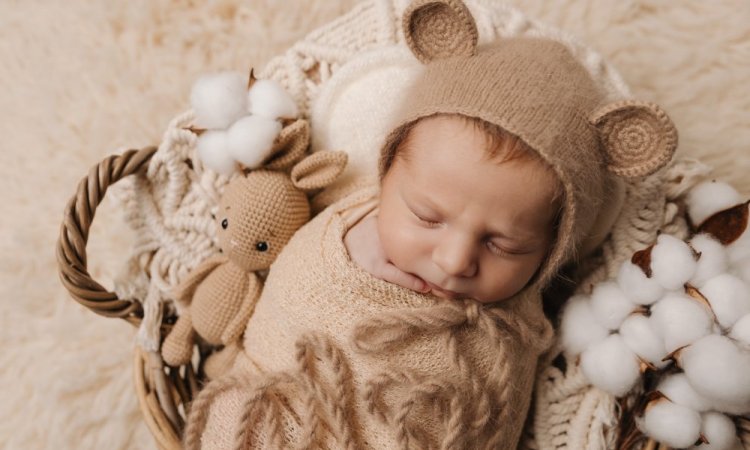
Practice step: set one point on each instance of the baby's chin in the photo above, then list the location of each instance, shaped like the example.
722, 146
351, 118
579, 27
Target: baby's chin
450, 295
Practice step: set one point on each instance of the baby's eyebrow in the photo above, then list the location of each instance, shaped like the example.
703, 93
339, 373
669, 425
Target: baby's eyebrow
420, 200
516, 235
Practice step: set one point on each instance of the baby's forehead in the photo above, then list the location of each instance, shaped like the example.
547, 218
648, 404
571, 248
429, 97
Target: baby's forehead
498, 144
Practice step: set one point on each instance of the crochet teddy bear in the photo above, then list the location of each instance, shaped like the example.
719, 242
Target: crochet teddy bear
258, 214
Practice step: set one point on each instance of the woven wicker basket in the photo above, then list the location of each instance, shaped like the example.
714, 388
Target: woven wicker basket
164, 393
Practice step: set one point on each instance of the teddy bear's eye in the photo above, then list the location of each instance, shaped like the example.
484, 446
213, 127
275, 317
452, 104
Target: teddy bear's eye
261, 246
224, 223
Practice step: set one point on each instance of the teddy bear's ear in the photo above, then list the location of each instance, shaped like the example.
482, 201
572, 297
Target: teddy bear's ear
290, 146
638, 138
318, 170
436, 29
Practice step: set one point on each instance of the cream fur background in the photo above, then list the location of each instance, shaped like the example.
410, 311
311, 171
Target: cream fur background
82, 79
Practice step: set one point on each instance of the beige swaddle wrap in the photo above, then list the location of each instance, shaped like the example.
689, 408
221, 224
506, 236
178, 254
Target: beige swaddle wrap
335, 358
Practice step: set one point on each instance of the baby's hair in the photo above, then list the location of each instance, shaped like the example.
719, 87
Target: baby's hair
502, 146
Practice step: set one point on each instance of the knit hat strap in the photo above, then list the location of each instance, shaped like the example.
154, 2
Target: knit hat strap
638, 138
439, 29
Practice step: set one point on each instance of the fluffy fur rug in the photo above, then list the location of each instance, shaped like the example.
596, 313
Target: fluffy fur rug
83, 79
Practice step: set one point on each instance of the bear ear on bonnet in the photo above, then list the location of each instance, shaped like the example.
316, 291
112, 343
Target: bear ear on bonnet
436, 29
638, 138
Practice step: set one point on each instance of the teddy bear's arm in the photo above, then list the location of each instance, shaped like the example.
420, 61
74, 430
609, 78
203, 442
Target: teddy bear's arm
235, 328
184, 291
177, 348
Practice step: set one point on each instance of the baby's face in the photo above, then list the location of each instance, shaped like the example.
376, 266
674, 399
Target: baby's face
467, 225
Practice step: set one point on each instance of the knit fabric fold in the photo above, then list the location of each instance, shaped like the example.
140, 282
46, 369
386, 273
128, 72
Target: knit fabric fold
335, 358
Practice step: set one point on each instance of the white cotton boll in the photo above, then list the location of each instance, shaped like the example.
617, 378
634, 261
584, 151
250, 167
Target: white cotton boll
218, 100
579, 328
742, 270
611, 366
610, 304
640, 288
214, 153
251, 139
267, 98
640, 336
713, 260
741, 331
680, 320
707, 198
718, 369
672, 262
736, 408
739, 250
729, 298
677, 388
719, 430
672, 424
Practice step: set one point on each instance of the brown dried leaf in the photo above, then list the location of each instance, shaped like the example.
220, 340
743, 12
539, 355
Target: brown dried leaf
251, 79
696, 294
645, 366
696, 254
195, 130
675, 356
727, 225
654, 397
642, 259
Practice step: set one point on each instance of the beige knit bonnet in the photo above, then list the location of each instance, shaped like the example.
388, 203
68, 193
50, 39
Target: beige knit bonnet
535, 89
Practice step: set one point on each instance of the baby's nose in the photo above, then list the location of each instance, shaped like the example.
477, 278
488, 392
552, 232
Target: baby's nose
456, 256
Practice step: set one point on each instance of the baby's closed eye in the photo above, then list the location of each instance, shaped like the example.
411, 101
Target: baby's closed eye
498, 250
427, 217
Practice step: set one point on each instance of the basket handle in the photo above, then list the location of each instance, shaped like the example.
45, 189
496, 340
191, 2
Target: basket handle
74, 233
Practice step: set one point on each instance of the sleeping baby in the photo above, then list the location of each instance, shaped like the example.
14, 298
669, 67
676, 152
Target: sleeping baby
409, 313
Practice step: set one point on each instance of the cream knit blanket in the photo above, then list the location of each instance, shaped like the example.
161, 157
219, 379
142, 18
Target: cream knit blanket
335, 358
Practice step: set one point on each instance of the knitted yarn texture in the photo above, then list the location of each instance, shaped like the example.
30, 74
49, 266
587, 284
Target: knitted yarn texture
357, 362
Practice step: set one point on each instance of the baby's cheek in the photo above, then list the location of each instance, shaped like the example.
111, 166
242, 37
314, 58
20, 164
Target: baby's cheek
402, 243
511, 278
